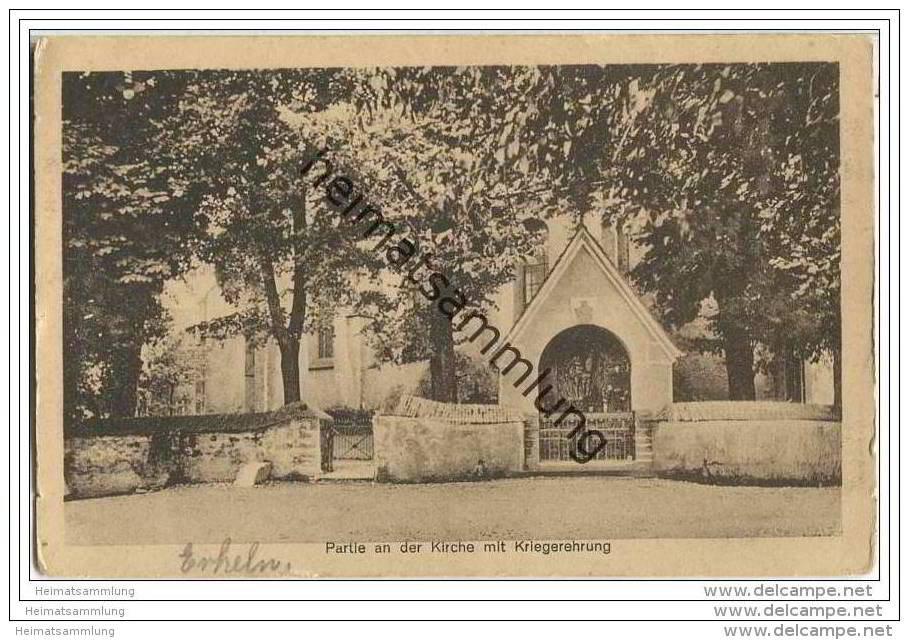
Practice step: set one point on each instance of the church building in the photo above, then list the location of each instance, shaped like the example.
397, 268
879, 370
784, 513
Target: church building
571, 310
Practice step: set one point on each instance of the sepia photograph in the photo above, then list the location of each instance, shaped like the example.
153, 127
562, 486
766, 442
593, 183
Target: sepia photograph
485, 312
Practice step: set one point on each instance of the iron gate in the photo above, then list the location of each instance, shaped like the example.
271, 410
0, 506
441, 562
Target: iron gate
349, 441
556, 442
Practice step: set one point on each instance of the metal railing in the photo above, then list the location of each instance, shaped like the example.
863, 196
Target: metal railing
350, 441
556, 444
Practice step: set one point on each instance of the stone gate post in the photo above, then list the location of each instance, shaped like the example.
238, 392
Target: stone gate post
531, 442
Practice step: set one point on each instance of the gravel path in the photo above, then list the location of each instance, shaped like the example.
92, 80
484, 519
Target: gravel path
534, 507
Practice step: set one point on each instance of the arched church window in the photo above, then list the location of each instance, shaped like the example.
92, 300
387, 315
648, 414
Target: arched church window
614, 240
249, 375
326, 339
536, 265
322, 345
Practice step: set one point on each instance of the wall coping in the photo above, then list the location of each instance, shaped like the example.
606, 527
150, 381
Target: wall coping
204, 423
416, 407
744, 410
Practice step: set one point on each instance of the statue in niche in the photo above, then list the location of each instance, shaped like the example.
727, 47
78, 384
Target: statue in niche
591, 373
584, 312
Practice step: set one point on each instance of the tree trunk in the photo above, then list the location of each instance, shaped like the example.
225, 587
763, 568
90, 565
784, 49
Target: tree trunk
127, 366
838, 377
290, 368
288, 337
443, 380
739, 364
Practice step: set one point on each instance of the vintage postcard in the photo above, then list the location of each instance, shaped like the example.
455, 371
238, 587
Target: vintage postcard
471, 305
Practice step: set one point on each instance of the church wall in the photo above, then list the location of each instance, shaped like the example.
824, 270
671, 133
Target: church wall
319, 386
320, 390
561, 230
225, 380
354, 380
335, 382
382, 385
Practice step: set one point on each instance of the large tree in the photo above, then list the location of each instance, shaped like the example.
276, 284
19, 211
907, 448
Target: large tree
802, 220
734, 171
281, 264
747, 168
128, 226
434, 150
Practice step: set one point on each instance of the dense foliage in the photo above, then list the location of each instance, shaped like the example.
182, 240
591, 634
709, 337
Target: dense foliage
728, 174
128, 226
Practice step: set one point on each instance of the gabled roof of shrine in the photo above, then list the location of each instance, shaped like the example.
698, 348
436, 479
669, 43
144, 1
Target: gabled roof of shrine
582, 240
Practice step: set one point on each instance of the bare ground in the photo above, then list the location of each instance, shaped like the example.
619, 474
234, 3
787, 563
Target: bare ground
533, 507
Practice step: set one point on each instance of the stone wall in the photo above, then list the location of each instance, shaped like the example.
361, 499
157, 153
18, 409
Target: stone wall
108, 457
108, 465
431, 441
749, 442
